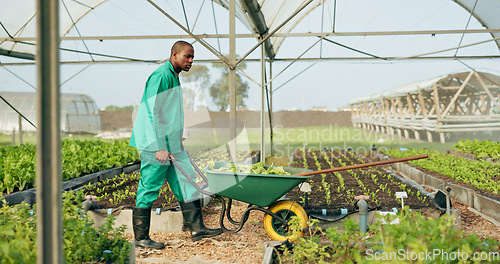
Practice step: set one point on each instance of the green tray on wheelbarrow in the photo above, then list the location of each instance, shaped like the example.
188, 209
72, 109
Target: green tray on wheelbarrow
257, 189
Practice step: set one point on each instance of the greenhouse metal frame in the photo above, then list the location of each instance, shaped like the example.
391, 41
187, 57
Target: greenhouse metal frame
267, 19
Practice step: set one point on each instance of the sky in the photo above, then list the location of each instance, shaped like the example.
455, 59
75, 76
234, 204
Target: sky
330, 84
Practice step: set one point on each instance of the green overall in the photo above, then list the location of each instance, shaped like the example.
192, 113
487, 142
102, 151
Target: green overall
159, 125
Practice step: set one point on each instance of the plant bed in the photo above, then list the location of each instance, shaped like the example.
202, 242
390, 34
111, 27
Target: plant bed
467, 194
79, 157
82, 241
481, 176
335, 191
29, 196
122, 190
408, 241
477, 150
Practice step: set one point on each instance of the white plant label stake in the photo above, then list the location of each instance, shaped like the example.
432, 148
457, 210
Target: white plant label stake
402, 195
305, 187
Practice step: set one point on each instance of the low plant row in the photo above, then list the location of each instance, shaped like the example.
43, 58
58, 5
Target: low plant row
415, 239
478, 173
82, 242
79, 157
116, 189
482, 149
122, 189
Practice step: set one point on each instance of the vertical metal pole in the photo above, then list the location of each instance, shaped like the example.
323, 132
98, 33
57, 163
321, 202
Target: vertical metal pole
20, 121
334, 13
263, 104
48, 176
14, 136
232, 78
271, 105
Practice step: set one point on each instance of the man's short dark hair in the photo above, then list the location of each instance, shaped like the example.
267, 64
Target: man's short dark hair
179, 46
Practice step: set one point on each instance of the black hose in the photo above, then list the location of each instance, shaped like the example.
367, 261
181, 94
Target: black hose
245, 216
229, 204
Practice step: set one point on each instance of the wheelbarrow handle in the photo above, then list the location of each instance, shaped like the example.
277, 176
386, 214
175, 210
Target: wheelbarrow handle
186, 175
357, 166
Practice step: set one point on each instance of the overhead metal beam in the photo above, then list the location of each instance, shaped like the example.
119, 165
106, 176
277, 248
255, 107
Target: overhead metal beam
201, 41
262, 104
300, 56
441, 51
248, 76
372, 60
309, 34
15, 54
274, 31
232, 80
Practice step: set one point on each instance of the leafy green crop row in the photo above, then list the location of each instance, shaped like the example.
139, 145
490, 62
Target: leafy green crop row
79, 157
416, 239
202, 158
478, 173
257, 168
82, 242
482, 149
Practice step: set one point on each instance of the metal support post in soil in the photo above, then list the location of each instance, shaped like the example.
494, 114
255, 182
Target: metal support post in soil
271, 105
263, 108
363, 212
20, 121
232, 79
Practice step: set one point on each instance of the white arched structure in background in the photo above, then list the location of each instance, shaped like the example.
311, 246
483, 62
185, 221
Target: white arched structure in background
458, 102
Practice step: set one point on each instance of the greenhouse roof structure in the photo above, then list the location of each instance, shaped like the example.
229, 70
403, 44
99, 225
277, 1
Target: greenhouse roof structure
271, 21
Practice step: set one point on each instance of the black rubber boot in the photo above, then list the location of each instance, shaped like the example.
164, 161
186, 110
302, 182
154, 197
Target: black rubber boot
194, 221
141, 218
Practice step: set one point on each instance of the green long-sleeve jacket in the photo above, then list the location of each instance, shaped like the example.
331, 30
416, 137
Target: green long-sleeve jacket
159, 123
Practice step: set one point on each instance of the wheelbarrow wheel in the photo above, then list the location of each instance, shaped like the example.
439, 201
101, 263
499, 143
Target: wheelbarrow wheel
278, 231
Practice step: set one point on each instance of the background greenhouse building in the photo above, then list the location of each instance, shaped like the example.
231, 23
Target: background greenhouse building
79, 113
436, 109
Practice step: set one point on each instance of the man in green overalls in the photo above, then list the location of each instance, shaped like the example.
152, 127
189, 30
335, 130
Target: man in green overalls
157, 134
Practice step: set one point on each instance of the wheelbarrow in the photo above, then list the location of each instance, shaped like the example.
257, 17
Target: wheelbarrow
261, 192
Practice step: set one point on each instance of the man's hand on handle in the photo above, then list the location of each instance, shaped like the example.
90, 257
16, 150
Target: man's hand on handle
163, 156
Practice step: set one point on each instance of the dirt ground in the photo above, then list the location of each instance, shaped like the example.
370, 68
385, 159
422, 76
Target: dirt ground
242, 247
246, 246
